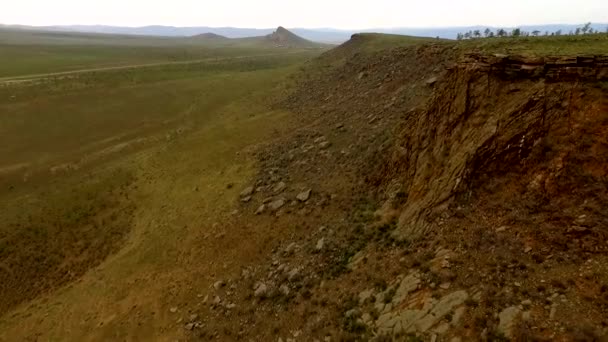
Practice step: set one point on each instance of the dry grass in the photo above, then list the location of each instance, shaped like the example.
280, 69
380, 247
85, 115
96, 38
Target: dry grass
143, 207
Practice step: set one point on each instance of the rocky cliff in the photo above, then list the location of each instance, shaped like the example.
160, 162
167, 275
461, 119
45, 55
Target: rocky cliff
491, 112
489, 176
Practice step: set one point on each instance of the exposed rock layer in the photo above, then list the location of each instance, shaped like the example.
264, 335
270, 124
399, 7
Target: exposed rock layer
486, 110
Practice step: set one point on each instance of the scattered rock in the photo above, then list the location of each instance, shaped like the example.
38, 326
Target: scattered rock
219, 284
431, 81
189, 326
365, 295
290, 249
279, 187
408, 285
508, 319
553, 311
501, 229
276, 205
284, 289
260, 209
260, 290
246, 199
324, 145
304, 196
366, 318
445, 286
294, 274
247, 192
173, 309
193, 317
320, 244
352, 313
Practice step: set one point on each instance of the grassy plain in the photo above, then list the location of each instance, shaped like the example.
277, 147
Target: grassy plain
126, 164
33, 52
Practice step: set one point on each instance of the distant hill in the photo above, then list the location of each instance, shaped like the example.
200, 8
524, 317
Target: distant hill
279, 38
324, 35
285, 38
210, 36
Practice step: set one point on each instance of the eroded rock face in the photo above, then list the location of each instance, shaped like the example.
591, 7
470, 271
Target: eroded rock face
413, 310
416, 319
485, 109
550, 68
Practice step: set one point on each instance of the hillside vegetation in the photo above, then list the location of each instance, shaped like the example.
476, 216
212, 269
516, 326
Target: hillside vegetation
392, 188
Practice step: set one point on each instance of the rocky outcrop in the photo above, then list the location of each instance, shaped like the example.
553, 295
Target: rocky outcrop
485, 109
406, 308
285, 38
549, 68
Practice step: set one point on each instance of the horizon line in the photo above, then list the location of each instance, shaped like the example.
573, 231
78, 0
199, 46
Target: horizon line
306, 28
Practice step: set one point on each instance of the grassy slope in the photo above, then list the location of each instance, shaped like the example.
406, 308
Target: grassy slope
54, 227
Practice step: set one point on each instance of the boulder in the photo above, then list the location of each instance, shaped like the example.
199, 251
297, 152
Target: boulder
304, 196
276, 205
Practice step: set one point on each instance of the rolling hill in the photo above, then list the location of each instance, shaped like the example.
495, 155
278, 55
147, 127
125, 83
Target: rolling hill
324, 35
280, 37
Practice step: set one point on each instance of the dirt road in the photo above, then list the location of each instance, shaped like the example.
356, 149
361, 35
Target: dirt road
34, 77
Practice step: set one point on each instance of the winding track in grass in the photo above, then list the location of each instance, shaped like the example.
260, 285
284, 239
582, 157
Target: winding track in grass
35, 77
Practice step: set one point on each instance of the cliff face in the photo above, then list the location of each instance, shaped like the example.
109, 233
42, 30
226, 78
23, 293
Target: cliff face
487, 174
496, 114
549, 68
456, 118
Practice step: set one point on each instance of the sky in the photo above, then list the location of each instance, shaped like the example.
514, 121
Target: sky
343, 14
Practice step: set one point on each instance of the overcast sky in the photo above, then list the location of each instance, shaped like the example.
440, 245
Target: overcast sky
352, 14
